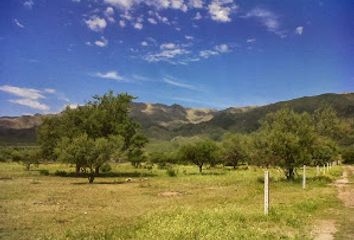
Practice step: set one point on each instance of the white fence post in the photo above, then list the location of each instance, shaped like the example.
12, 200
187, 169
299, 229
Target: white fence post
266, 192
304, 177
317, 171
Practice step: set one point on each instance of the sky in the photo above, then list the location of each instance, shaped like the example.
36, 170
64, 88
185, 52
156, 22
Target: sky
196, 53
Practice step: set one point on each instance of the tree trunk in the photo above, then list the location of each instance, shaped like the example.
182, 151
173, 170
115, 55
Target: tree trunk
97, 170
28, 166
200, 168
234, 166
91, 177
290, 174
77, 169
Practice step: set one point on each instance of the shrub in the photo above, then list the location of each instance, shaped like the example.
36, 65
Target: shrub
106, 168
171, 172
61, 173
44, 172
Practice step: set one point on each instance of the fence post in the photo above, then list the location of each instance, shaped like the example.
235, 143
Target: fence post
266, 192
324, 169
317, 171
304, 177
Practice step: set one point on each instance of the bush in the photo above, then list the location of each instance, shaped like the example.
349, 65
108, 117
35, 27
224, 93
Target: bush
61, 173
348, 156
106, 168
44, 172
171, 172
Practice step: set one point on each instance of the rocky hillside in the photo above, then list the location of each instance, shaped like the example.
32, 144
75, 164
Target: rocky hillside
165, 122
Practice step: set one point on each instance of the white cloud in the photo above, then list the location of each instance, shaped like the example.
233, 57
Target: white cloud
123, 4
207, 53
18, 24
122, 23
188, 37
96, 23
35, 104
102, 42
197, 16
220, 10
109, 13
50, 90
179, 84
28, 96
178, 4
267, 19
251, 40
168, 46
113, 75
218, 49
29, 93
138, 25
168, 52
196, 3
28, 4
144, 44
299, 30
222, 48
152, 21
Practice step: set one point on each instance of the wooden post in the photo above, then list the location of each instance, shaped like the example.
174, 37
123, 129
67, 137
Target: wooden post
317, 171
324, 169
304, 177
266, 192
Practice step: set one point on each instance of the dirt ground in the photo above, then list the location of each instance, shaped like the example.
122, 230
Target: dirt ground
326, 229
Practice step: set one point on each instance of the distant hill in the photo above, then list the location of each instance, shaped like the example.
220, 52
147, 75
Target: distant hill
160, 121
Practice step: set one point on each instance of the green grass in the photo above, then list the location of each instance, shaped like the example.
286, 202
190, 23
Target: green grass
219, 204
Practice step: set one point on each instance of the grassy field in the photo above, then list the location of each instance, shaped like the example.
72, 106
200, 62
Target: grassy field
220, 204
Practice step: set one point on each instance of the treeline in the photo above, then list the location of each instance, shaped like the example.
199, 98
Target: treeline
101, 131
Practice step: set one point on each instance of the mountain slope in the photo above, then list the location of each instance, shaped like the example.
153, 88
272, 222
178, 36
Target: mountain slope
165, 122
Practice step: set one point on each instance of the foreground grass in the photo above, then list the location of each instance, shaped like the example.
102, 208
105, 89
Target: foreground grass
220, 204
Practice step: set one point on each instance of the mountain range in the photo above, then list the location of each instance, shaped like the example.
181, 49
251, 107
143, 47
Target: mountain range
165, 122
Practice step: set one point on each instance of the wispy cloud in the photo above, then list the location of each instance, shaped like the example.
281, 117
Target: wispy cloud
168, 52
268, 19
29, 97
18, 24
217, 50
175, 83
28, 4
29, 93
112, 75
34, 104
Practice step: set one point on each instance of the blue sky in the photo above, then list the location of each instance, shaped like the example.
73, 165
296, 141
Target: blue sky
196, 53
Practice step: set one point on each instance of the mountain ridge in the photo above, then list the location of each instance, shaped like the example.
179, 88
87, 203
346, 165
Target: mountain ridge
164, 122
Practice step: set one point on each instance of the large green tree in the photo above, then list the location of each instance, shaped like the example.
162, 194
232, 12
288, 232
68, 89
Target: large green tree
86, 152
102, 117
285, 139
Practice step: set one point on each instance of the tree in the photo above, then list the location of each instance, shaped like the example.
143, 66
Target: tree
103, 117
234, 149
27, 156
85, 152
285, 139
199, 153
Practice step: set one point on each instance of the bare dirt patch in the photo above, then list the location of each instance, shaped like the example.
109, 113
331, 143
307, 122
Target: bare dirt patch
325, 230
344, 192
170, 194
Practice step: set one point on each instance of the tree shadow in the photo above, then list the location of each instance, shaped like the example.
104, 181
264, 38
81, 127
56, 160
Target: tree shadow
107, 175
100, 183
206, 174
